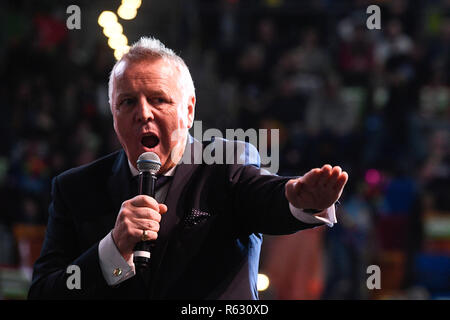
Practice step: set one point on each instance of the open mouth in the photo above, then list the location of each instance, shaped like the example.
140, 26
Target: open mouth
150, 141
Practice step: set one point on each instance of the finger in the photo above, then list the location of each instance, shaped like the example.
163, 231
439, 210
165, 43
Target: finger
311, 177
142, 213
341, 181
291, 187
162, 208
324, 175
136, 233
335, 173
147, 224
145, 201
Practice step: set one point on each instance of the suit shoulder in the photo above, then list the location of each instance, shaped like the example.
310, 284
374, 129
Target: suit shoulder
235, 151
99, 167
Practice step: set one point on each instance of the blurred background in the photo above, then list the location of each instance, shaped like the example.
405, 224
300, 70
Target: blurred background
375, 102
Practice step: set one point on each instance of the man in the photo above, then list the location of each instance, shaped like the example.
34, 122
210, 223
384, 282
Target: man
206, 221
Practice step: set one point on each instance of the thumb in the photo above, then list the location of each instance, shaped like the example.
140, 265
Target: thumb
291, 189
162, 208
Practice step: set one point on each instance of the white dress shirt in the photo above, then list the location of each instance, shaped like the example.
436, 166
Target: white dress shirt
116, 269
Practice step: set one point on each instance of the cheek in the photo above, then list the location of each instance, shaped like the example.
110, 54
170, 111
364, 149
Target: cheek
170, 123
117, 127
174, 134
182, 123
182, 117
123, 131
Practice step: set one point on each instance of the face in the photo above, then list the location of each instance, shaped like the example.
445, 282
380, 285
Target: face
150, 110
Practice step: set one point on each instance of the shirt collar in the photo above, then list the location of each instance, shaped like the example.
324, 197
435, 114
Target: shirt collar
135, 172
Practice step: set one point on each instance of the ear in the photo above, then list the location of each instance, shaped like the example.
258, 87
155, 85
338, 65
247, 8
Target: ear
191, 111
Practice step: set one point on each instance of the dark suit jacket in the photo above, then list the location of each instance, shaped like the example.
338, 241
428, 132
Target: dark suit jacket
214, 255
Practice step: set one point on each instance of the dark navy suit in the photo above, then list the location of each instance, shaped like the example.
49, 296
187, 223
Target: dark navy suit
209, 241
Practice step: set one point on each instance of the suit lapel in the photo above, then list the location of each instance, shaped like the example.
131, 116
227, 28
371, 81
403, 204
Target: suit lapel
119, 189
176, 210
119, 186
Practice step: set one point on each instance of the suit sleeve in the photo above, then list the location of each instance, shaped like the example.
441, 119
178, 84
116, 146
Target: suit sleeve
259, 200
59, 251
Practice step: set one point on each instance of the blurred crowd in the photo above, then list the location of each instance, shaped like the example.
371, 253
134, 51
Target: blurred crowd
375, 102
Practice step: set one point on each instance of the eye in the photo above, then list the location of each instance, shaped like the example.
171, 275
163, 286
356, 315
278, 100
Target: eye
127, 102
157, 100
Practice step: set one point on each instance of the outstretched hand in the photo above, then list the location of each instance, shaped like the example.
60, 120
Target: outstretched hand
317, 189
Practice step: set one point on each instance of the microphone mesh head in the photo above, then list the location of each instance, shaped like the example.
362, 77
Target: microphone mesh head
149, 162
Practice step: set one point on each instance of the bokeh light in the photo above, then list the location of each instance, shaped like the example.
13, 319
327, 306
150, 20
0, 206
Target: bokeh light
373, 177
107, 18
118, 41
263, 282
126, 12
110, 30
120, 51
132, 3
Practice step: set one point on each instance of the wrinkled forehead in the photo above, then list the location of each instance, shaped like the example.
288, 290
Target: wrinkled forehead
140, 68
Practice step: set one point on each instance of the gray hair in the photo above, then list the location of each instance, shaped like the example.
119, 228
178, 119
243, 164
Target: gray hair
151, 48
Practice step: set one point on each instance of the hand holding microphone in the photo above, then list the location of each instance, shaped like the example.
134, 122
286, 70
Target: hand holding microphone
148, 165
137, 224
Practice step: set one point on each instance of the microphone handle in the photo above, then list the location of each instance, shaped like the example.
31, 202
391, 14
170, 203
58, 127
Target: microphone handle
143, 249
147, 183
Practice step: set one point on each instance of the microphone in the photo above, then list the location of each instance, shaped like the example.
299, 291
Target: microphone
148, 164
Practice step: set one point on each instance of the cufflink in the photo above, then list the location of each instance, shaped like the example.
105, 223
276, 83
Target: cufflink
117, 272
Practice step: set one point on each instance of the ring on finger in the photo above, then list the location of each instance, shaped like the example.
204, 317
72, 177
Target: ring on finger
144, 236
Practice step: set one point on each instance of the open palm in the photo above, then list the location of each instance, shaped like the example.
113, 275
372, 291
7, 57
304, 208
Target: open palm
317, 189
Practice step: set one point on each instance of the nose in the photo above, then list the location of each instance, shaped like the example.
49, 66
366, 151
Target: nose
144, 111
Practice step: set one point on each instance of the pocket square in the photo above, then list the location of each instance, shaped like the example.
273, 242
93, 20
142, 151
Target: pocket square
195, 217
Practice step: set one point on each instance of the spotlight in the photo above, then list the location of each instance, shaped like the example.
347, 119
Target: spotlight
119, 52
126, 12
132, 3
118, 41
263, 282
106, 18
112, 29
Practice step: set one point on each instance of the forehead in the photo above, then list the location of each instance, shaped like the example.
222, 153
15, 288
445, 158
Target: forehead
155, 71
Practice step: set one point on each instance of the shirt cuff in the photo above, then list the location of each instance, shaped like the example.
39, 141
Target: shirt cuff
114, 267
327, 216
